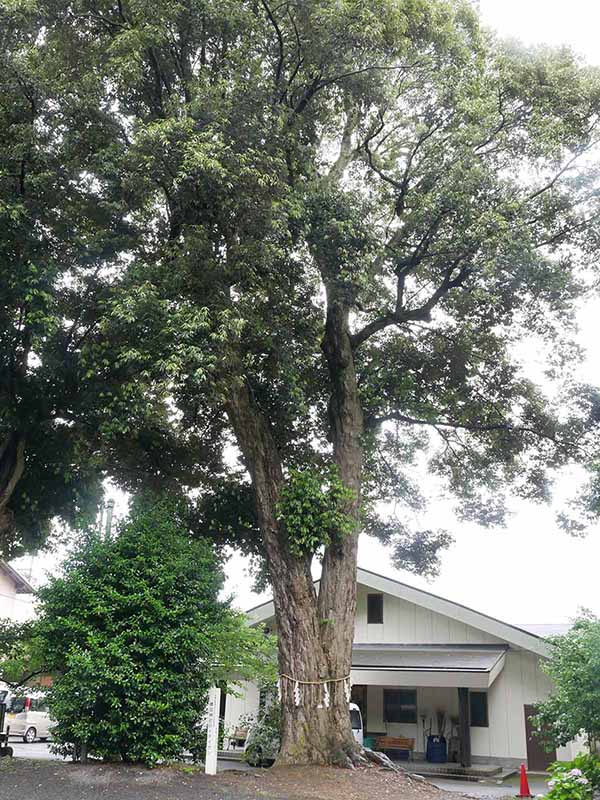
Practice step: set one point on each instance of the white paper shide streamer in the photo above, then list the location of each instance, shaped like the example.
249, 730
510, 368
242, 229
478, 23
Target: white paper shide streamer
326, 697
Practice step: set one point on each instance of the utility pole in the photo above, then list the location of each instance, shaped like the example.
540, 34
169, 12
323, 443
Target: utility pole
110, 507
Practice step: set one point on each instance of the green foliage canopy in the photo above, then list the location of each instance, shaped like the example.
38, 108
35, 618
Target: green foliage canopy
56, 236
342, 220
573, 708
20, 658
395, 158
238, 166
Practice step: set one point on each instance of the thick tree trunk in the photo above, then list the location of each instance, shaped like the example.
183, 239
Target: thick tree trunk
12, 466
315, 630
7, 529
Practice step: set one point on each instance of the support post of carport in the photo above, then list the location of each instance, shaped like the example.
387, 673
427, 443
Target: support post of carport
464, 727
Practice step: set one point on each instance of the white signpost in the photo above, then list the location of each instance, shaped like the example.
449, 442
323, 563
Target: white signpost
212, 730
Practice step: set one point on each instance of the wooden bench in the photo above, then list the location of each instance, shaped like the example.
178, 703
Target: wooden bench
238, 739
391, 744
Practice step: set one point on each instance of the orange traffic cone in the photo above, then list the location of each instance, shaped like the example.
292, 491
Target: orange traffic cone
524, 789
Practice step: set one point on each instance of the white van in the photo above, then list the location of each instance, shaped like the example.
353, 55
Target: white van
357, 723
28, 716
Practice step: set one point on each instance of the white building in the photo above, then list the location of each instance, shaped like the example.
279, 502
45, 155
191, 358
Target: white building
16, 595
416, 655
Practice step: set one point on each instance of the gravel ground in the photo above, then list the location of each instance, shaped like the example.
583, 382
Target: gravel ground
55, 780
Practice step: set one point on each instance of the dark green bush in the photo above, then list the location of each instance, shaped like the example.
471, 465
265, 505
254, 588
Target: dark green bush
264, 737
135, 633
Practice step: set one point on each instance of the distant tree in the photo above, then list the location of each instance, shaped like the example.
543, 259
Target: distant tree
20, 658
56, 235
347, 216
65, 226
573, 708
134, 634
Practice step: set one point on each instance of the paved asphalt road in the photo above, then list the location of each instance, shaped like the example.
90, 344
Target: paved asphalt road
490, 788
41, 751
37, 750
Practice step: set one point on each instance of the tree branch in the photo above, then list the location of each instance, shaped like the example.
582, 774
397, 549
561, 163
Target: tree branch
546, 187
396, 416
277, 29
347, 151
422, 313
17, 472
24, 679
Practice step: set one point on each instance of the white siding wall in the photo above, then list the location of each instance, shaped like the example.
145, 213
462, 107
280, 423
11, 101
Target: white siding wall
521, 682
245, 703
7, 596
407, 623
13, 606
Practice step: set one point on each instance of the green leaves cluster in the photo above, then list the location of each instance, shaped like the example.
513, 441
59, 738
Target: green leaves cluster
20, 658
573, 708
312, 507
134, 633
566, 782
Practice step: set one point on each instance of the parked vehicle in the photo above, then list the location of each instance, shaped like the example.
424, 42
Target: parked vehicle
262, 743
357, 723
28, 716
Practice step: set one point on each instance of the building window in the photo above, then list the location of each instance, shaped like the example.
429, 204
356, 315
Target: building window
400, 705
479, 709
375, 609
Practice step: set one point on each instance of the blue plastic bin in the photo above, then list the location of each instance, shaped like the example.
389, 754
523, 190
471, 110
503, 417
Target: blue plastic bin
437, 750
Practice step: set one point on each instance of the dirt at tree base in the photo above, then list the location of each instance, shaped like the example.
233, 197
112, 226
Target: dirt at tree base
54, 780
329, 783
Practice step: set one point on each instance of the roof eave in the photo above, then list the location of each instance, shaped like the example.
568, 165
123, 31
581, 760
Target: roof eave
22, 585
515, 636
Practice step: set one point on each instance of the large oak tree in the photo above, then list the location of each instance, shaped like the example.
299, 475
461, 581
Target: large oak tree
346, 216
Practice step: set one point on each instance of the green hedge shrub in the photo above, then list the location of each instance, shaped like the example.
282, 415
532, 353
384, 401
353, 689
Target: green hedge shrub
135, 633
574, 780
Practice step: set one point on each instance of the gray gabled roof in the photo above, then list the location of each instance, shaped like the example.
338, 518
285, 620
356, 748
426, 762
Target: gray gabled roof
22, 585
547, 629
512, 634
438, 658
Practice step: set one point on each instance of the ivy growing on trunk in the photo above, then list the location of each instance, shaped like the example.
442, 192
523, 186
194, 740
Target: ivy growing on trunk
311, 509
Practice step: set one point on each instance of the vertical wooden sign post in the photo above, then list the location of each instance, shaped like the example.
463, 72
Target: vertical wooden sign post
212, 730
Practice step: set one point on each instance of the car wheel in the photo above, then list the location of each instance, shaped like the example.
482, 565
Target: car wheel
29, 735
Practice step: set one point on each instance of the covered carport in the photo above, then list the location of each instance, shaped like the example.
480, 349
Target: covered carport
440, 678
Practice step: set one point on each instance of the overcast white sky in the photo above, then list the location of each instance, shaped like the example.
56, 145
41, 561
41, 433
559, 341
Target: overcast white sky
530, 572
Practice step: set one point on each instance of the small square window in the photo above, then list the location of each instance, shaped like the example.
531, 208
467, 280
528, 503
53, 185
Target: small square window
375, 609
400, 705
479, 709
